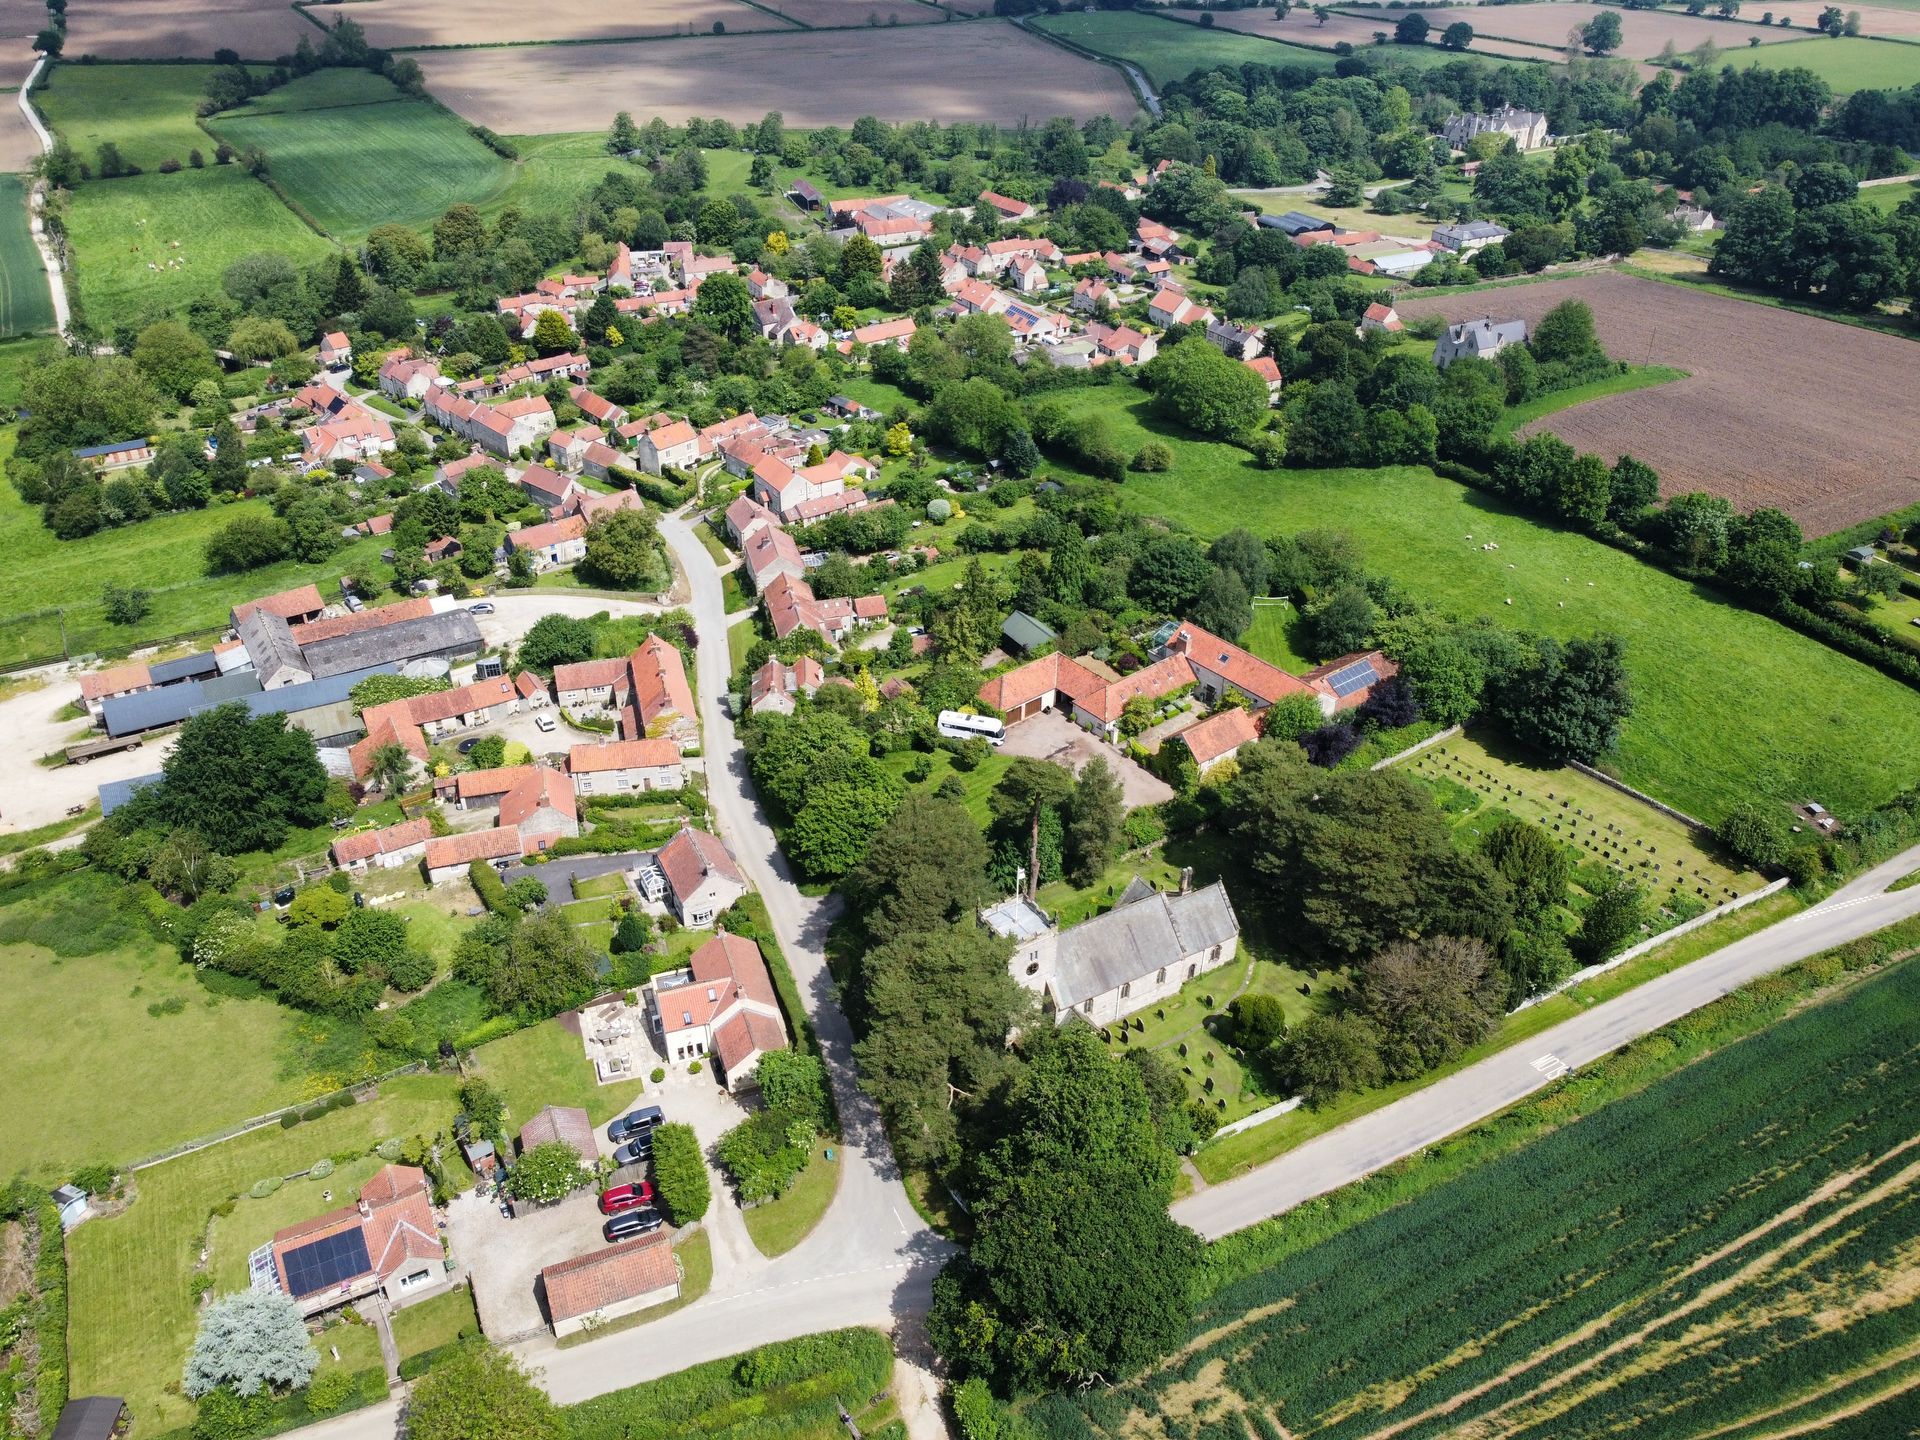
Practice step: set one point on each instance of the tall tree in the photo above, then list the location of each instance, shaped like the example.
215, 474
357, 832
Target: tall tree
250, 1341
1096, 811
480, 1393
926, 869
1028, 789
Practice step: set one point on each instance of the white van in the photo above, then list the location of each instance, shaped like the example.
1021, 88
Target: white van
956, 725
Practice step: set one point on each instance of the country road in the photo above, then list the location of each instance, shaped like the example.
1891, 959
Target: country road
1447, 1106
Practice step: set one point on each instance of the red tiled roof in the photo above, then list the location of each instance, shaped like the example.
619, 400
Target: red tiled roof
659, 680
119, 680
1220, 734
528, 685
884, 330
600, 1278
496, 844
1162, 677
545, 788
690, 856
1265, 683
534, 537
738, 961
588, 674
301, 600
564, 1123
622, 755
351, 849
1039, 677
371, 619
386, 725
744, 1035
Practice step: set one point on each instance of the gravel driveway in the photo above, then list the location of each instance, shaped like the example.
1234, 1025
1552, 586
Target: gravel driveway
1051, 736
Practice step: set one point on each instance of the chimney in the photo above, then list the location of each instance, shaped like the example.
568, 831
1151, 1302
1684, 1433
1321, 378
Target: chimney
1186, 879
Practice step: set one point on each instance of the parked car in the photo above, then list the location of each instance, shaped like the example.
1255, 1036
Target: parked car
482, 607
284, 895
634, 1152
626, 1197
631, 1224
636, 1124
543, 723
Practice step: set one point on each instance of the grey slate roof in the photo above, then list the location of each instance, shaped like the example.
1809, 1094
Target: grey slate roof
173, 703
1295, 223
1134, 940
1026, 632
201, 666
449, 632
116, 793
270, 645
91, 1417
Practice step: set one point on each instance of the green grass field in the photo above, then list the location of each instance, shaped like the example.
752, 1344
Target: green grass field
1847, 64
1168, 50
26, 304
1727, 703
1728, 1249
354, 152
779, 1225
168, 1058
162, 554
145, 110
132, 1318
1889, 198
119, 228
1272, 637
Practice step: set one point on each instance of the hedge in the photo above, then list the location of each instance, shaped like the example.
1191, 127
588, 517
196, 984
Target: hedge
487, 885
792, 1387
656, 488
681, 1174
50, 1321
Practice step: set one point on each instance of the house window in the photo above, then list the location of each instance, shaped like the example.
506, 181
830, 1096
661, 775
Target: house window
1193, 970
700, 917
1215, 955
418, 1277
1086, 1007
1126, 989
1161, 978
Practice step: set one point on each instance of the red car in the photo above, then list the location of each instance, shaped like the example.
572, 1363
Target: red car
626, 1197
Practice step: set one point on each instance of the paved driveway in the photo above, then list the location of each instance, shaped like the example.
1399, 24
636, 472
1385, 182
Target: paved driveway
504, 1257
558, 875
1052, 736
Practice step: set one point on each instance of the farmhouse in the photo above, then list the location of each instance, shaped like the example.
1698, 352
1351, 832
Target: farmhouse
335, 350
702, 878
558, 542
624, 767
721, 1006
1381, 317
675, 445
1465, 237
1137, 954
1008, 209
1526, 128
99, 686
1478, 340
791, 606
389, 1242
1221, 667
589, 1290
403, 377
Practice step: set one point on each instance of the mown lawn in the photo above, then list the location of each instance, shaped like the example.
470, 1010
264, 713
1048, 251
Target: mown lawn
1272, 637
977, 784
545, 1065
1726, 702
149, 244
354, 152
132, 1318
436, 1322
779, 1225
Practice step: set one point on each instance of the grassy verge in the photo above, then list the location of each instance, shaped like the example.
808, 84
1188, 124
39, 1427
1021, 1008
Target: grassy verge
1634, 377
779, 1225
1239, 1153
26, 839
695, 1254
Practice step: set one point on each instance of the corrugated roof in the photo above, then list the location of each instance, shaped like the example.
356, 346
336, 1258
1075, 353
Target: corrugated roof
449, 632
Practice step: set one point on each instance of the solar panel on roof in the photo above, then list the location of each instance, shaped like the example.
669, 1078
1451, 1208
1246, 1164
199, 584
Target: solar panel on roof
1350, 678
327, 1262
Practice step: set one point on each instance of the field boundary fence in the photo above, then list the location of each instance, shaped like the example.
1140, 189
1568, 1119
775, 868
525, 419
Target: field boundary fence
1641, 796
360, 1090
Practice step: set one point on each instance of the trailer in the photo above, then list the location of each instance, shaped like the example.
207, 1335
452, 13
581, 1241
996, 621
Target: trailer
81, 754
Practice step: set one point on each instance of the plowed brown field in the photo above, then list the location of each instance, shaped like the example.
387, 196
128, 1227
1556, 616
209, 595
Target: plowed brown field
1809, 415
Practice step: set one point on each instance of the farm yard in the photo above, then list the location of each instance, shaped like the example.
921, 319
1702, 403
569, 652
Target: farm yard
26, 305
1845, 64
168, 30
1795, 719
1731, 1245
979, 70
124, 232
354, 152
413, 24
1478, 782
1756, 434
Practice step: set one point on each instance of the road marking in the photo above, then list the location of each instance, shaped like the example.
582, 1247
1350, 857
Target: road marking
896, 1218
1835, 905
1551, 1066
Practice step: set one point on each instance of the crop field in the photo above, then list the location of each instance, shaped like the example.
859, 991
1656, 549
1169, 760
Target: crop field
979, 70
124, 233
1302, 27
1756, 434
832, 14
19, 146
171, 30
354, 152
1481, 781
1644, 32
1845, 64
26, 304
1168, 54
1792, 719
146, 110
1731, 1250
1888, 17
413, 24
